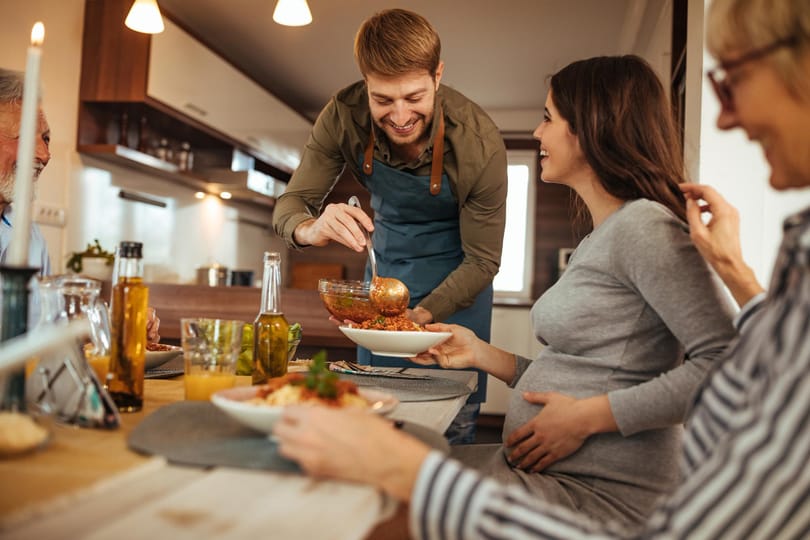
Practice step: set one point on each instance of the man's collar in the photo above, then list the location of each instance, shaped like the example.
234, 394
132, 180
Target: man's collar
5, 214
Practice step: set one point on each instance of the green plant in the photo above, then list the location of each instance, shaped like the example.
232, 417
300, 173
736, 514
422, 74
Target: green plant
74, 262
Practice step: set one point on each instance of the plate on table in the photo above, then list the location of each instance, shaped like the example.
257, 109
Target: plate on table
164, 354
263, 417
403, 344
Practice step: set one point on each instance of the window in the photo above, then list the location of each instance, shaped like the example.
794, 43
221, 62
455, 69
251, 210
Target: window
514, 280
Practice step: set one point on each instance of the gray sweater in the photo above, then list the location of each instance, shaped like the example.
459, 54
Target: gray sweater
635, 298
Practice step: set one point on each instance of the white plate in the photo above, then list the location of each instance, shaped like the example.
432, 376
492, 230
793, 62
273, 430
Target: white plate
158, 358
394, 343
263, 417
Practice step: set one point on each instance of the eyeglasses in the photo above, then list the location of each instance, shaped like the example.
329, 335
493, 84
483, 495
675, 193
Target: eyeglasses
719, 76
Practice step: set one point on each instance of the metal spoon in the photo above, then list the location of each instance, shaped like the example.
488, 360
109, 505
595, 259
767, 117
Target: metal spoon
389, 295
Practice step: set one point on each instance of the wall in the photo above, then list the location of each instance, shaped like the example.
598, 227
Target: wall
178, 238
738, 169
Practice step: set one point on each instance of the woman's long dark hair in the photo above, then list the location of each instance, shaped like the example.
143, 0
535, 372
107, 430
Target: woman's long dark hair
617, 109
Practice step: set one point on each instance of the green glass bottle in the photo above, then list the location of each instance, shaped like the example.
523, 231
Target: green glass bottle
270, 328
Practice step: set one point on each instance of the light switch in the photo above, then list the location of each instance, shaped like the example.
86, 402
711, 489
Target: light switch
52, 216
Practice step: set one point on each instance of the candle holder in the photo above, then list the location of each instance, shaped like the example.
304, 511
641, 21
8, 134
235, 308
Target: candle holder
14, 318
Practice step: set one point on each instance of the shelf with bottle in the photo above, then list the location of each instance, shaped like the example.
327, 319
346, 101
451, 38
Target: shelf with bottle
147, 138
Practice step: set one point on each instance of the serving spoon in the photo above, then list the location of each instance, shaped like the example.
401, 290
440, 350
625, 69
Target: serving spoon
389, 295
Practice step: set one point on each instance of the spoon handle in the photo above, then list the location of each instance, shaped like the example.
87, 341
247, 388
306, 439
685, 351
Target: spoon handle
353, 201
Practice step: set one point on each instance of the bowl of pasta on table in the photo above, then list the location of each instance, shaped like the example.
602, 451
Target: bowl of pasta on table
260, 407
158, 354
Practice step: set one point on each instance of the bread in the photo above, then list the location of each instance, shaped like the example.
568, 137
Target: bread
19, 433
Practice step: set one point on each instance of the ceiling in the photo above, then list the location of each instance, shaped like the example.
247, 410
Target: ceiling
497, 52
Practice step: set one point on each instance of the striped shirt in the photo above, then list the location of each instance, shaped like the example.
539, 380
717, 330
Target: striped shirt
746, 454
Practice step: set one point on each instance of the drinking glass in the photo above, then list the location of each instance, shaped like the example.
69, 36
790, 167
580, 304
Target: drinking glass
210, 351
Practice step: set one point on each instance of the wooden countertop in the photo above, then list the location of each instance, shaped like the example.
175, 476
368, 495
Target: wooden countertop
303, 306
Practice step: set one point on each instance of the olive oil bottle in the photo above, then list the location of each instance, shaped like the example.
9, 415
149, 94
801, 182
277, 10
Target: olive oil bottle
128, 328
270, 328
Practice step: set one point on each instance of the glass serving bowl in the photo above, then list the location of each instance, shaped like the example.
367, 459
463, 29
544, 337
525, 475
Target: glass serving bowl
347, 299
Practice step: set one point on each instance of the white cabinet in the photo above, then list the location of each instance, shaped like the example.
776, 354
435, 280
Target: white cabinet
190, 78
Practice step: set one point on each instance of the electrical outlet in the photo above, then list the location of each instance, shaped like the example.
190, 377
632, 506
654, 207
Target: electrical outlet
49, 215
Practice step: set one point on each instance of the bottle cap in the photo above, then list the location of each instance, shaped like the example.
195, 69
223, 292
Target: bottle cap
130, 250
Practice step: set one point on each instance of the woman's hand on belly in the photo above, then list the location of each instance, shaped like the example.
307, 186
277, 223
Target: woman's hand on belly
558, 430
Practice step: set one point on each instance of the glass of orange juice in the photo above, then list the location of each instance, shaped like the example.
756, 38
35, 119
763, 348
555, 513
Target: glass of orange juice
210, 351
99, 360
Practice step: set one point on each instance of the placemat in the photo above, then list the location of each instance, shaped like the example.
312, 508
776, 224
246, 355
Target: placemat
172, 368
432, 389
197, 433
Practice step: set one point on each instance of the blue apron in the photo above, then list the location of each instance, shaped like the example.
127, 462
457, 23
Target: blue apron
417, 240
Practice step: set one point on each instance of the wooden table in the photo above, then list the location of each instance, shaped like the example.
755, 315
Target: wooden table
87, 484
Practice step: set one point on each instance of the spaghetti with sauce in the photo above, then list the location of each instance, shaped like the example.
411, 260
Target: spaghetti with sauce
397, 323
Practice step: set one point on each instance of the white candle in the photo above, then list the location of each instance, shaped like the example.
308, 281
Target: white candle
23, 184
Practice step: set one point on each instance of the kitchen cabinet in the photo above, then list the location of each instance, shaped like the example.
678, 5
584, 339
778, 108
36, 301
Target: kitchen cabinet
137, 90
190, 78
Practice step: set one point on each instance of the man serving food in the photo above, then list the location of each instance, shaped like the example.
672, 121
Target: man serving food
435, 165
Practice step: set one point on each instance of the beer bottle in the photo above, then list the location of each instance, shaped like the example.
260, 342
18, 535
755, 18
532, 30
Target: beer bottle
270, 328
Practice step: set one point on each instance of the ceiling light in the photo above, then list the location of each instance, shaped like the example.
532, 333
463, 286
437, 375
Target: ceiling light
225, 195
292, 13
199, 195
144, 16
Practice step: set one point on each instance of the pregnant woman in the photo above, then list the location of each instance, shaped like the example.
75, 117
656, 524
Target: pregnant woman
633, 324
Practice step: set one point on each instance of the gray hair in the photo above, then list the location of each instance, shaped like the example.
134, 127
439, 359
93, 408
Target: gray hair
11, 86
738, 26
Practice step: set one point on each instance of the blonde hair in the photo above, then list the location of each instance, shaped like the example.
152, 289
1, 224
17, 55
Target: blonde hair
395, 42
738, 26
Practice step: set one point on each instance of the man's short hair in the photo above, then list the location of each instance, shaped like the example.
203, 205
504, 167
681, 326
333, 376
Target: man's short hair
395, 42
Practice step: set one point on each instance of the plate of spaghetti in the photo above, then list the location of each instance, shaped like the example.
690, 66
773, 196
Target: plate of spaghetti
260, 407
393, 336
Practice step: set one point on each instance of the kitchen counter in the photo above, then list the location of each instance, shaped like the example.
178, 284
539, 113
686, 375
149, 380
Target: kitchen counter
174, 302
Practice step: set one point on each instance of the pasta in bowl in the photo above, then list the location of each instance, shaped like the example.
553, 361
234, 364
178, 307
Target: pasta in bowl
399, 343
260, 407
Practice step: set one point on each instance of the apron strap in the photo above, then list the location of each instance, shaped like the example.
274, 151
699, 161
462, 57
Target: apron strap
436, 165
368, 155
438, 158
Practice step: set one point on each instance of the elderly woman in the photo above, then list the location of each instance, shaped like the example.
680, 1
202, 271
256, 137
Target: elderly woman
746, 455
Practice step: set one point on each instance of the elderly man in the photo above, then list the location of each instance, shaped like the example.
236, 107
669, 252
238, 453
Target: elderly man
11, 90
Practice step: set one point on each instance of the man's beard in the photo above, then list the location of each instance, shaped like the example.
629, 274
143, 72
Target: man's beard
7, 184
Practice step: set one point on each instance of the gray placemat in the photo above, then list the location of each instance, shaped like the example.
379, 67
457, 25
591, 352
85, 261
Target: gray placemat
197, 433
432, 389
172, 368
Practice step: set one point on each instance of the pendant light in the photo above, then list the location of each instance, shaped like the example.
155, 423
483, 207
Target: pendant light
292, 13
144, 16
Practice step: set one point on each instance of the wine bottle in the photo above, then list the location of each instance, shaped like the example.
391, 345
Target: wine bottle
128, 349
270, 328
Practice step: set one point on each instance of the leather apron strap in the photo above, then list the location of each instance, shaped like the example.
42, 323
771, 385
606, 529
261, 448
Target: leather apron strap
438, 158
436, 166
